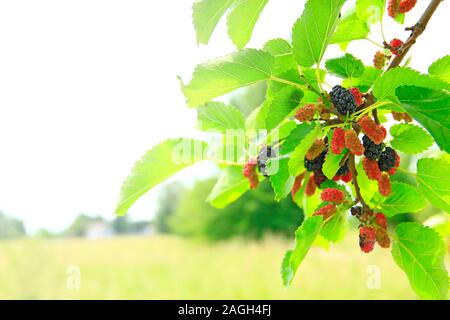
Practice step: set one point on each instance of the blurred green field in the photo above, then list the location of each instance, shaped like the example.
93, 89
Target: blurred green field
173, 268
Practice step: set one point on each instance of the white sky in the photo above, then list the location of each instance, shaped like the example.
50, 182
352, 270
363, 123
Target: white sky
87, 86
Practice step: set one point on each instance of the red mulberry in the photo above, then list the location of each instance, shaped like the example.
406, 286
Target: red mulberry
406, 5
393, 8
367, 238
249, 171
371, 169
316, 149
383, 238
384, 185
347, 177
326, 211
332, 195
379, 60
381, 220
297, 185
357, 95
395, 45
374, 131
310, 186
338, 141
352, 143
305, 113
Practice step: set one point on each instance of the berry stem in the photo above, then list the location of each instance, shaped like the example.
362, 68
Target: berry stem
352, 167
374, 42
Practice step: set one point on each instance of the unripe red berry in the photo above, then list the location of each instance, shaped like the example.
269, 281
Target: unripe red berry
406, 5
375, 132
393, 8
347, 177
338, 141
381, 220
384, 184
249, 171
383, 238
358, 96
332, 195
326, 211
352, 143
367, 238
395, 45
316, 149
310, 186
305, 113
371, 169
379, 60
297, 184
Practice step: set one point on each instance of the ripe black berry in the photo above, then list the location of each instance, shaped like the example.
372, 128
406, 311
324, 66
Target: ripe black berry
343, 100
265, 154
387, 159
372, 151
319, 177
356, 211
315, 164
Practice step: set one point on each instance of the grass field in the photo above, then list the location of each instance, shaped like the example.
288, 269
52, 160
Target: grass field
173, 268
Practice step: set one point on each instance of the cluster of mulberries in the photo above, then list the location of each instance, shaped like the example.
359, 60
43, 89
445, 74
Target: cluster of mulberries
332, 195
343, 100
379, 60
305, 113
395, 45
373, 229
401, 116
326, 211
377, 133
406, 5
249, 171
352, 142
264, 155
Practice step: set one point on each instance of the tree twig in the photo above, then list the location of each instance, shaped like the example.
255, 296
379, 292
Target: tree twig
352, 167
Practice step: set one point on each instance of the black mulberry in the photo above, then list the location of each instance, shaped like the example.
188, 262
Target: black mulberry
387, 159
343, 100
372, 151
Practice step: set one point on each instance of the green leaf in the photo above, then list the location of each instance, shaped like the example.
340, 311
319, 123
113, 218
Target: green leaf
365, 81
419, 251
431, 108
304, 238
441, 68
350, 28
368, 188
242, 19
281, 50
313, 30
370, 11
345, 66
281, 105
220, 76
404, 198
230, 186
409, 138
280, 178
206, 14
220, 117
336, 228
385, 86
297, 157
295, 137
158, 164
400, 18
433, 179
331, 164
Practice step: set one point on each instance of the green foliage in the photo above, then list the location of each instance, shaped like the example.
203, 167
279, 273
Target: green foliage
297, 156
370, 11
410, 138
220, 117
420, 252
332, 164
242, 19
441, 68
431, 109
281, 180
336, 229
350, 28
313, 30
158, 164
345, 67
304, 238
230, 186
281, 50
11, 228
404, 198
433, 179
283, 103
220, 76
